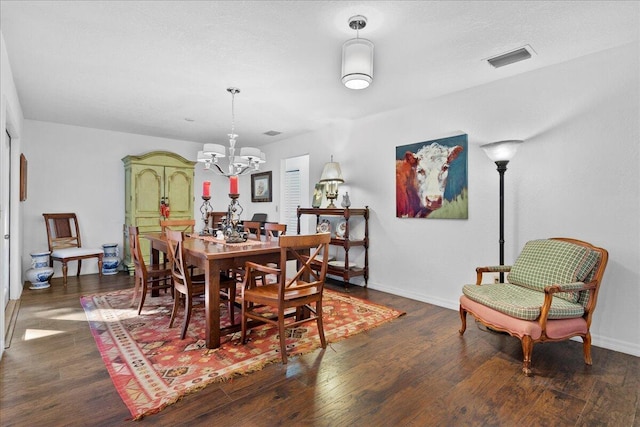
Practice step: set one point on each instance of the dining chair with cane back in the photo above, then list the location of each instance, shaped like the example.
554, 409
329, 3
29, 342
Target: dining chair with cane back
303, 291
188, 286
65, 244
146, 277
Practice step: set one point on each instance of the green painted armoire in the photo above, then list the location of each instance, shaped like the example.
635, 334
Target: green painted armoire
148, 180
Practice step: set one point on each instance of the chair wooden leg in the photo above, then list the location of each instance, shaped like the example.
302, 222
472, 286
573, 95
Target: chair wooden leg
463, 318
136, 289
527, 350
100, 266
320, 325
283, 338
176, 302
187, 315
79, 267
586, 348
232, 304
143, 296
65, 269
243, 320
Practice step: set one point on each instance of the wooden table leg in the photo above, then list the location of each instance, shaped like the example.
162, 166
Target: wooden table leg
212, 304
154, 259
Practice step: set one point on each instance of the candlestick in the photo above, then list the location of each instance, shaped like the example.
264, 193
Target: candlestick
231, 232
233, 184
204, 210
206, 188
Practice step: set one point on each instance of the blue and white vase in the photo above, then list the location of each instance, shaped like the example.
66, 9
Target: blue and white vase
40, 272
111, 260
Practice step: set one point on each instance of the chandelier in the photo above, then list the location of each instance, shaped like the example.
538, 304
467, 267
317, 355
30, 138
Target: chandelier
249, 159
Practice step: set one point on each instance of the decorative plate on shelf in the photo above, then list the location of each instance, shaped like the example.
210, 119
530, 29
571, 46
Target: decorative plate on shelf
324, 226
338, 263
329, 259
341, 229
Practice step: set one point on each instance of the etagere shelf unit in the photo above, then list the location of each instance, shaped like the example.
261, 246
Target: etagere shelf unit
340, 268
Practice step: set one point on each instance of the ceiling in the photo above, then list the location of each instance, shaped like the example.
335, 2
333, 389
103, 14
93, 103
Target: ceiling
161, 68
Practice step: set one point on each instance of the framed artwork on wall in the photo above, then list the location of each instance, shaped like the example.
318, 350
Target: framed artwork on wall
431, 179
261, 187
317, 196
23, 178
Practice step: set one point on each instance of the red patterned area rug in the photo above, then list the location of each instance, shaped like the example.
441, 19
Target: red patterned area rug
152, 367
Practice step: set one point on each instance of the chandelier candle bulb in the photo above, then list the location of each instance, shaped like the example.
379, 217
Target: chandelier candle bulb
206, 189
233, 184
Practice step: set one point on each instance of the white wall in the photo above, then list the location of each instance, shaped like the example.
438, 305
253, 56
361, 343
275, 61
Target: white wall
76, 169
577, 175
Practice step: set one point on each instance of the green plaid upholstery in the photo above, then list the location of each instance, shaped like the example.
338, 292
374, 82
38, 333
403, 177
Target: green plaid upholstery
499, 268
520, 302
548, 262
583, 296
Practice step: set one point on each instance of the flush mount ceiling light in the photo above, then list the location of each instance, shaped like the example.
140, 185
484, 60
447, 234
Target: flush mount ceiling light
357, 57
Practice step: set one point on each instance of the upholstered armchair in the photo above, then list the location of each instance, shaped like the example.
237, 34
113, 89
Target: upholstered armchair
551, 294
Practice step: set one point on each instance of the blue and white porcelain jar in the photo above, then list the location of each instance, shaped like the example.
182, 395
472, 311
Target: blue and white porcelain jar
111, 260
40, 272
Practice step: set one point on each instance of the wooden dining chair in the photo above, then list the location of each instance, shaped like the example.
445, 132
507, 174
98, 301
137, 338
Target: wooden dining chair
146, 277
214, 219
186, 225
271, 228
303, 291
273, 231
65, 244
190, 287
253, 229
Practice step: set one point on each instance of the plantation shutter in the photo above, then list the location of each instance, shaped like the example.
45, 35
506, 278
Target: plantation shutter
292, 195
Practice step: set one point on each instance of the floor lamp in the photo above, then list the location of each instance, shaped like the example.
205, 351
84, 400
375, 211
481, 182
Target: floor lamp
501, 152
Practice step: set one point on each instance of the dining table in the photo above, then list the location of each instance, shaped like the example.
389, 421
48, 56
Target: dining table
213, 256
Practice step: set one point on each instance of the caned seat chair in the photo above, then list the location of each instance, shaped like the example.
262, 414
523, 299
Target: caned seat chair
65, 244
303, 291
550, 294
154, 276
192, 286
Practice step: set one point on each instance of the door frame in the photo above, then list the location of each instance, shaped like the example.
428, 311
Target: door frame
13, 248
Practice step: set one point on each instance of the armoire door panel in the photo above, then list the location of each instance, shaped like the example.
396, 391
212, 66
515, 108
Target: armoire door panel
149, 189
179, 190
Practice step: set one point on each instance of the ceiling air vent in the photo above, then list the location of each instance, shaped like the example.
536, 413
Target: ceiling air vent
272, 133
517, 55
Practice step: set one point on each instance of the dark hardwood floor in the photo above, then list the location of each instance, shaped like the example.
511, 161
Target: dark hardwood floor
414, 371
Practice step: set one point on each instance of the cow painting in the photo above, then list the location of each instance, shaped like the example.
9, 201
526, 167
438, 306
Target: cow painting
422, 175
